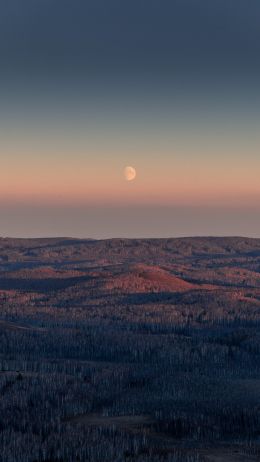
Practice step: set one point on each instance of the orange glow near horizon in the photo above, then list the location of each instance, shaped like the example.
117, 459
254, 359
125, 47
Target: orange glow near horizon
78, 183
182, 175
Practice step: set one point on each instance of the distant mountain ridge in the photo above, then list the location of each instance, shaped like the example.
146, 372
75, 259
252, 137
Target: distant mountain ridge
134, 250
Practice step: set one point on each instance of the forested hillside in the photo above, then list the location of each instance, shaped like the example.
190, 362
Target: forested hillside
141, 350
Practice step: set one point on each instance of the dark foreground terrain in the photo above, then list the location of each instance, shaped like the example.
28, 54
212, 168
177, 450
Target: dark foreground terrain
130, 350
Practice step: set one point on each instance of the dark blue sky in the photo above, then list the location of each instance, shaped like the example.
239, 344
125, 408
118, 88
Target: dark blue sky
110, 37
170, 87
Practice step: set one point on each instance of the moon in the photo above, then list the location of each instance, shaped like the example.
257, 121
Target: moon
129, 173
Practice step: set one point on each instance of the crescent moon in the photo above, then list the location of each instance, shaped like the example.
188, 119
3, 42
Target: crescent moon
129, 173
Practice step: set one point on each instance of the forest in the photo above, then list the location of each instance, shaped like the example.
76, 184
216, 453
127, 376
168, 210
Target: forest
128, 350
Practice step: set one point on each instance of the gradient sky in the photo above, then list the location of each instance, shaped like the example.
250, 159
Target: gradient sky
168, 86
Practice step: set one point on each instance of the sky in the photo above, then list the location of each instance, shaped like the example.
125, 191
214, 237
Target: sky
170, 87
